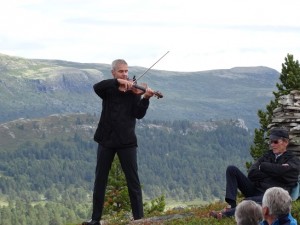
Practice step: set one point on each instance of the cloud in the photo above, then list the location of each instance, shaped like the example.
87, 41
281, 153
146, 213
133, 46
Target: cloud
200, 35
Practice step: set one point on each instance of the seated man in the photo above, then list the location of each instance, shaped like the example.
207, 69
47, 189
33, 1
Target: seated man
276, 168
276, 207
248, 212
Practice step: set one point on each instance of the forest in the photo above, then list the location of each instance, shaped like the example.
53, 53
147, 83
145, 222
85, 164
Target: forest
52, 178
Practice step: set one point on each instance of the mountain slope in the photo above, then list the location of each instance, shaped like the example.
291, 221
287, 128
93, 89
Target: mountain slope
35, 88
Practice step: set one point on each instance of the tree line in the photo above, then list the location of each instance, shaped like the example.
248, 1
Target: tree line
175, 160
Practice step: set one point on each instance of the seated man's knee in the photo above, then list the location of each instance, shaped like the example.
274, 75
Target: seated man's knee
231, 169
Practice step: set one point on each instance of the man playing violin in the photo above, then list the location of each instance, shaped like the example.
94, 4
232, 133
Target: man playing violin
121, 106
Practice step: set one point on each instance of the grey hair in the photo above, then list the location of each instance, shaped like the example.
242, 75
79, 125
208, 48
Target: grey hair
278, 201
248, 212
117, 62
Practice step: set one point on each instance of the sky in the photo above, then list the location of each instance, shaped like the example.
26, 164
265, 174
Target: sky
199, 35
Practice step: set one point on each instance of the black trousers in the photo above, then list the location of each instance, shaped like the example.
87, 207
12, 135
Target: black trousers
235, 180
128, 160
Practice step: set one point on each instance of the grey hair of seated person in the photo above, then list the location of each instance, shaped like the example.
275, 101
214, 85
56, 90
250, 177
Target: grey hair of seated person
248, 212
278, 201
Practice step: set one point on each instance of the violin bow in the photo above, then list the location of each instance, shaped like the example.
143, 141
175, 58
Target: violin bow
156, 93
136, 79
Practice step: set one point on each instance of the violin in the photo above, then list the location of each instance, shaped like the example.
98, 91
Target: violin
139, 89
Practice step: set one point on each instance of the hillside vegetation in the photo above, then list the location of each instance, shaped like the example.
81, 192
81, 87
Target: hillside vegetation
180, 159
52, 160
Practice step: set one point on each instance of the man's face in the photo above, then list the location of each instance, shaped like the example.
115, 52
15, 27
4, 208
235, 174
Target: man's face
120, 72
279, 145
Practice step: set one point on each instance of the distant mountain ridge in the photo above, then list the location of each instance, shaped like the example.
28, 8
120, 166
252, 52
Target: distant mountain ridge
32, 88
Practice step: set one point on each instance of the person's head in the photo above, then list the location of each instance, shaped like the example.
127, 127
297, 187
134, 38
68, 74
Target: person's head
119, 69
276, 202
279, 140
248, 212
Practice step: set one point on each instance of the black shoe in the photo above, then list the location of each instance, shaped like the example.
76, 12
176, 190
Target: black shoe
91, 222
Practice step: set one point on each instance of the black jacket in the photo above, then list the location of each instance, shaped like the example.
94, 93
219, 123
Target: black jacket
116, 128
267, 172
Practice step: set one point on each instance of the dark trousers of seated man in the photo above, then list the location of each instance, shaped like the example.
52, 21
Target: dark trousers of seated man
235, 179
128, 160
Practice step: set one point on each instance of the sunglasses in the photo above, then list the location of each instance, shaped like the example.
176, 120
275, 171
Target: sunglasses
274, 141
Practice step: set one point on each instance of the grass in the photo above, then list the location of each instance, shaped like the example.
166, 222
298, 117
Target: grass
190, 215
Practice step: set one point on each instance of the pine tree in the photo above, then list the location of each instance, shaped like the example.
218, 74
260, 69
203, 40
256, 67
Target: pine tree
116, 197
290, 80
290, 76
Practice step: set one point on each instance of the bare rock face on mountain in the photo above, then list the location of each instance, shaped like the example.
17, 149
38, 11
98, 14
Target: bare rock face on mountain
287, 115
